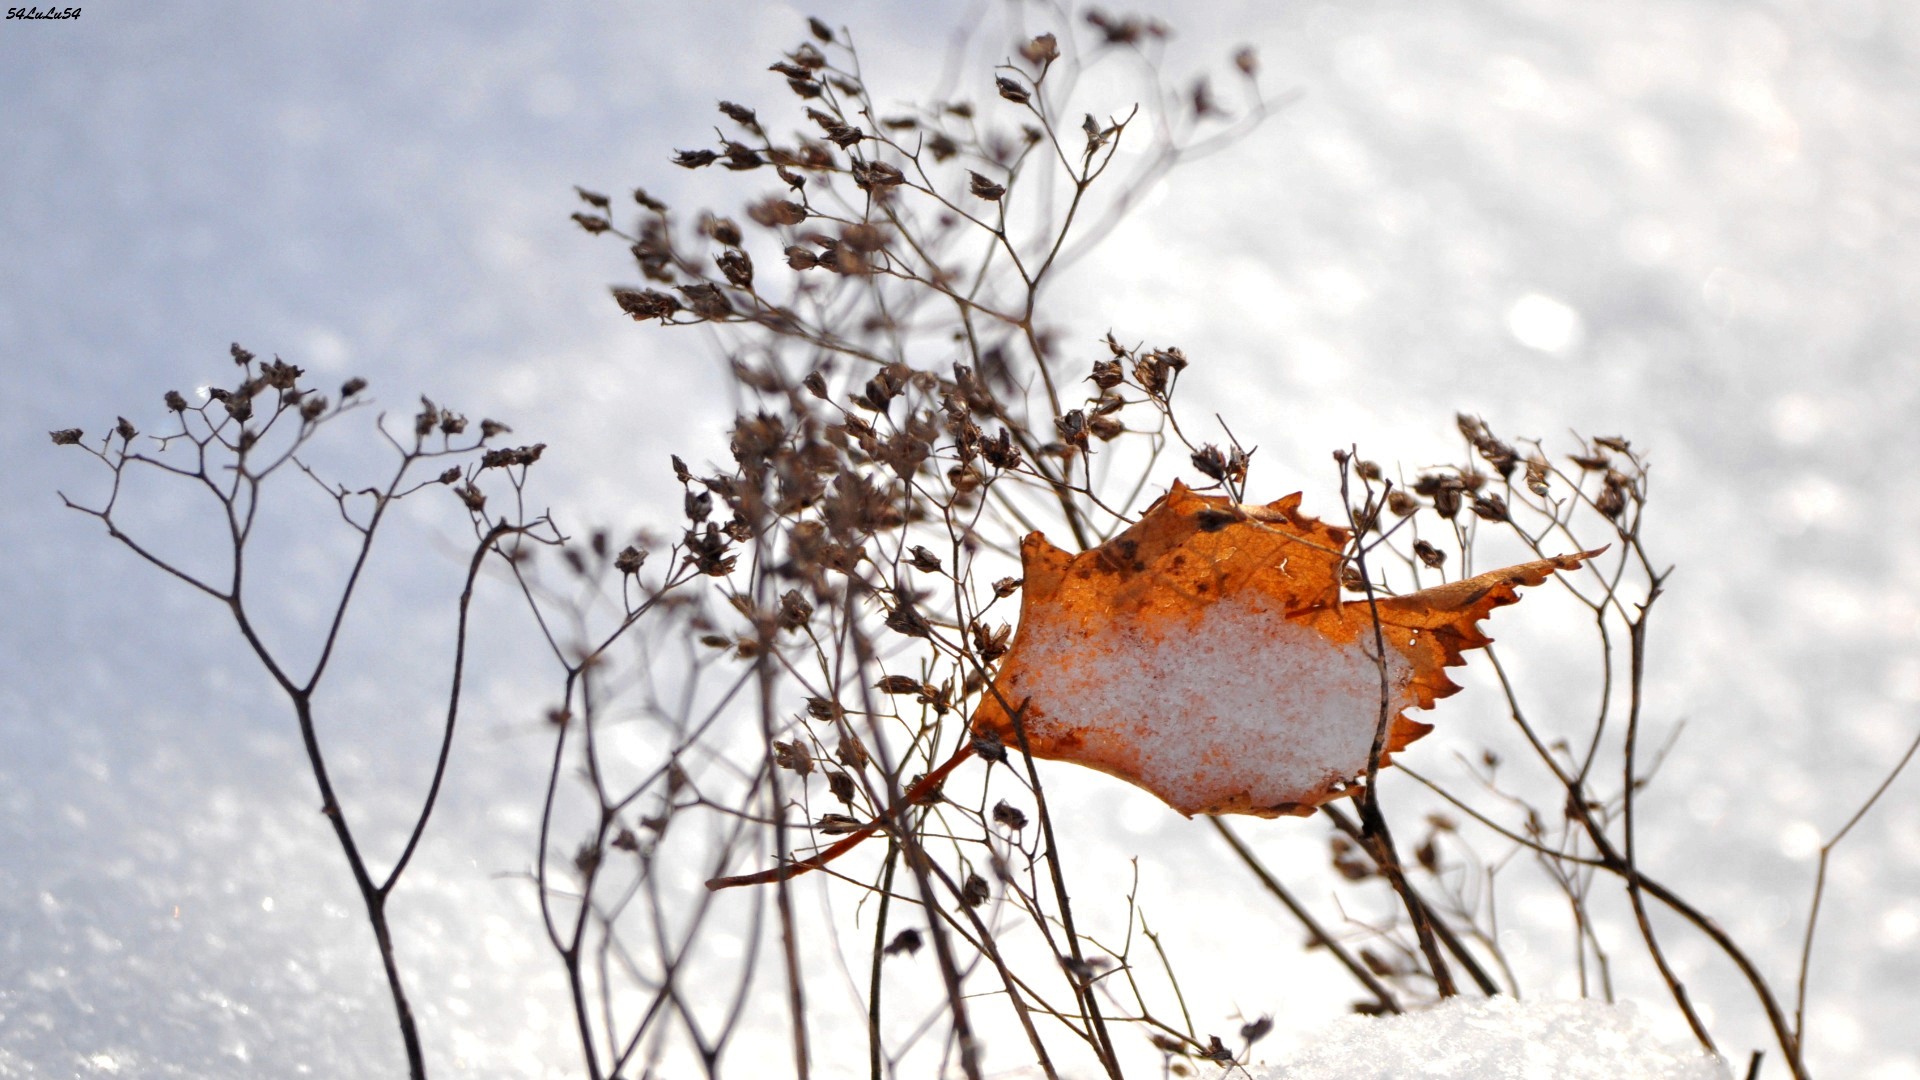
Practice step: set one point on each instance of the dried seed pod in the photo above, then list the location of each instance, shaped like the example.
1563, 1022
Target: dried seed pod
898, 684
793, 756
1210, 462
1042, 50
738, 267
852, 752
974, 891
646, 303
1432, 556
836, 825
629, 560
1537, 476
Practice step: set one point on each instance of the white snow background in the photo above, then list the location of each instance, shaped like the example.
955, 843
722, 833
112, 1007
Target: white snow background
1685, 221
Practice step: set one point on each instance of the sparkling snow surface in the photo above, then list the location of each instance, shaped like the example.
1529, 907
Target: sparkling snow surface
1497, 1039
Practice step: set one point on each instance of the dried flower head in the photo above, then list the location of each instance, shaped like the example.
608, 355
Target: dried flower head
646, 303
983, 188
1041, 50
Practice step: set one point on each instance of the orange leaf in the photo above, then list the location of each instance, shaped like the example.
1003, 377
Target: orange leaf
1205, 655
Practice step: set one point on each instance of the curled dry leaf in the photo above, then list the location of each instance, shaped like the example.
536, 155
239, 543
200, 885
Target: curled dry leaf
1216, 665
1205, 655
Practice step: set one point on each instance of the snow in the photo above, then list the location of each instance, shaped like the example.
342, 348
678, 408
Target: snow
1250, 706
1689, 221
1497, 1039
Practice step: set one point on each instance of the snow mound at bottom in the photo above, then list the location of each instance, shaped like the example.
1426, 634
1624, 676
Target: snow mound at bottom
1497, 1039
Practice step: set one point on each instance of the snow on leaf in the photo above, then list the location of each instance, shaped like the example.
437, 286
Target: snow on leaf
1205, 655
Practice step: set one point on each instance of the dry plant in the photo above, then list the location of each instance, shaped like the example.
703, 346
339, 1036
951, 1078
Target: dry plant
788, 671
